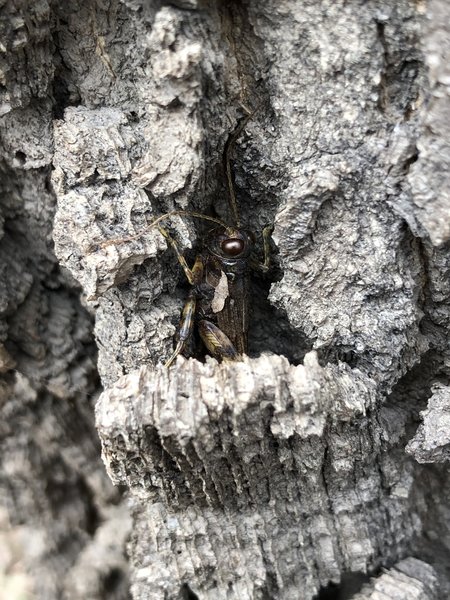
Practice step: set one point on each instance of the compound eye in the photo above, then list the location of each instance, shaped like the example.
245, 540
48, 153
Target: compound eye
232, 246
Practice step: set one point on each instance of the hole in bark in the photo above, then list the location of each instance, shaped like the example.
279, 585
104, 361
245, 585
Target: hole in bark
187, 593
21, 157
174, 104
334, 354
112, 580
64, 94
351, 583
410, 161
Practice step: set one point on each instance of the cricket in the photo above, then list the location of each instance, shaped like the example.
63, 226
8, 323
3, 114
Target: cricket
217, 305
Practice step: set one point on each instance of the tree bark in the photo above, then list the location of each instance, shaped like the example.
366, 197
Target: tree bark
314, 468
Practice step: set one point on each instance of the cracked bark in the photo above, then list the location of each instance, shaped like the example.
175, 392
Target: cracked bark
315, 463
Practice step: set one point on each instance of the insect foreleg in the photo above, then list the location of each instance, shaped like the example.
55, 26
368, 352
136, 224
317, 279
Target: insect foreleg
264, 266
194, 276
180, 257
185, 328
216, 341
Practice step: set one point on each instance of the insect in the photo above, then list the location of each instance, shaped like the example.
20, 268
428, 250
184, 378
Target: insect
218, 300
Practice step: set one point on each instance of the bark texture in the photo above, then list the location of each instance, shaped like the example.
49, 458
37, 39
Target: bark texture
57, 504
322, 459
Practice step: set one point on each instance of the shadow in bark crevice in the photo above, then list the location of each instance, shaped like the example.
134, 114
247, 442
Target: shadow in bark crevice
187, 594
412, 392
270, 329
350, 584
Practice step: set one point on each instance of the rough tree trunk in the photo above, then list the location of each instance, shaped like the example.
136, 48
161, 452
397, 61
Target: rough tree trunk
320, 461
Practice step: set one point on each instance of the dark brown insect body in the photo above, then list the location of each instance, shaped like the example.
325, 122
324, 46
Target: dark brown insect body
218, 300
229, 273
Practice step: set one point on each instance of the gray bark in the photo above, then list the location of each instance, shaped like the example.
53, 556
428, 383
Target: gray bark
409, 579
320, 460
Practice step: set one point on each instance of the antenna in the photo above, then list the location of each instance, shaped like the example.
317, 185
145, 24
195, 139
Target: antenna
185, 213
228, 149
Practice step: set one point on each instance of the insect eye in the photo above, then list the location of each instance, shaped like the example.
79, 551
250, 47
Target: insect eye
232, 246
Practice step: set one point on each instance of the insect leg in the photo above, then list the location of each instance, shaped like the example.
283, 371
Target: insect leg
216, 341
188, 314
191, 276
267, 232
264, 266
186, 327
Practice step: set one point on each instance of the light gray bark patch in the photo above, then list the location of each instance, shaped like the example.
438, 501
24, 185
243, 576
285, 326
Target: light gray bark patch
85, 188
431, 444
429, 175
